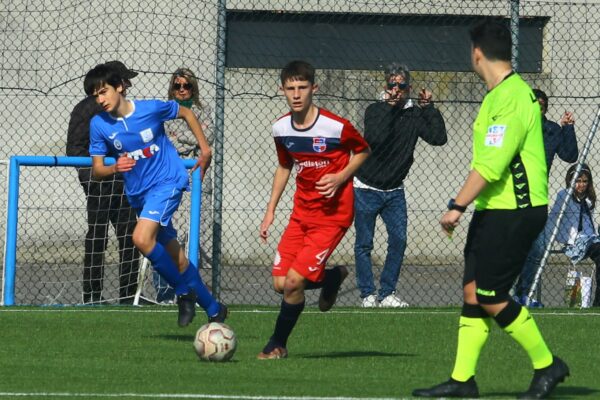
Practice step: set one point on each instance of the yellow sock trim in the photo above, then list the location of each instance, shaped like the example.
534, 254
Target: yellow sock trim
526, 332
472, 335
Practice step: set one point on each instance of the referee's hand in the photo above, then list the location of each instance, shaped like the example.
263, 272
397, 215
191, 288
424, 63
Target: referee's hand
450, 221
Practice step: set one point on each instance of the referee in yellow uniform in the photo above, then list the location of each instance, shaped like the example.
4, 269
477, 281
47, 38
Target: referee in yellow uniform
509, 185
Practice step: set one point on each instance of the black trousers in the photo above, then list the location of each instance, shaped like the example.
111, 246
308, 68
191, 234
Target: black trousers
594, 253
107, 203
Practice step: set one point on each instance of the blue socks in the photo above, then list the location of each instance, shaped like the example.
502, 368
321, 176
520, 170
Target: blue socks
182, 282
163, 263
204, 297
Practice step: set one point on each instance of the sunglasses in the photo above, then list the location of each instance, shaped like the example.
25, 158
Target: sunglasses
400, 86
186, 86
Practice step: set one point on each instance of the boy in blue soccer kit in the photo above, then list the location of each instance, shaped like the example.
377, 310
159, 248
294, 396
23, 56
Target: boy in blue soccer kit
155, 179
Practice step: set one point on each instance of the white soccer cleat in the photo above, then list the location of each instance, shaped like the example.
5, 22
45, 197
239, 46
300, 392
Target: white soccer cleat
392, 301
370, 301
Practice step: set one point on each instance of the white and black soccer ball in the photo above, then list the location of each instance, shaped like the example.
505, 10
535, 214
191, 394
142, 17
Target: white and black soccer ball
215, 341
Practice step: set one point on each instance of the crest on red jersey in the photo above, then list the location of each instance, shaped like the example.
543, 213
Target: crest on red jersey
319, 144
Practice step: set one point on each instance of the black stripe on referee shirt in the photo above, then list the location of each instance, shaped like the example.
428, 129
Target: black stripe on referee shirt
520, 182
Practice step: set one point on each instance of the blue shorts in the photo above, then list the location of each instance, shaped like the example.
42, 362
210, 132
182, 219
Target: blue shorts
159, 205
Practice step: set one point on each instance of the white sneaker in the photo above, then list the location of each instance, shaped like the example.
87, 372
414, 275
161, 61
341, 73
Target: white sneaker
370, 301
392, 301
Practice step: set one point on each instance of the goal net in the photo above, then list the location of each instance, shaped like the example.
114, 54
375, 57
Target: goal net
54, 257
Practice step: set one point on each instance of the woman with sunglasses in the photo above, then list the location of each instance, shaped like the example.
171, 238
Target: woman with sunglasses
183, 88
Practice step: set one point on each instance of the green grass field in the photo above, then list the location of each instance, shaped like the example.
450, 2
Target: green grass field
132, 353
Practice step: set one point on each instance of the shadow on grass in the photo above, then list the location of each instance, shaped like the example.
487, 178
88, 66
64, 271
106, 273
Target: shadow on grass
177, 338
561, 392
564, 391
354, 354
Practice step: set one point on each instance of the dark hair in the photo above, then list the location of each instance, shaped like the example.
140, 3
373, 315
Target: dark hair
590, 193
393, 69
492, 37
539, 94
298, 70
99, 76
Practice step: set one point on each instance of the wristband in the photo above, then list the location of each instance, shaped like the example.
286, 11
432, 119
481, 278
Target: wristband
453, 206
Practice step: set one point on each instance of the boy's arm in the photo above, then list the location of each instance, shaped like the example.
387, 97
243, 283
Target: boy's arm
101, 171
205, 151
280, 179
328, 184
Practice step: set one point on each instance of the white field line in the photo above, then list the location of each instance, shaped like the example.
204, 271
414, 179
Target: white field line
128, 309
186, 396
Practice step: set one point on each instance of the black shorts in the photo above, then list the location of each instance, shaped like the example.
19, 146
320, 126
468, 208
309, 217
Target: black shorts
497, 245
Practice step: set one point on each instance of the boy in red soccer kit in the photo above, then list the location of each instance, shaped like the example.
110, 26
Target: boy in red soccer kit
326, 151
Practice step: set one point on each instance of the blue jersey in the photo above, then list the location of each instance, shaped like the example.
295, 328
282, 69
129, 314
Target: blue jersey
141, 136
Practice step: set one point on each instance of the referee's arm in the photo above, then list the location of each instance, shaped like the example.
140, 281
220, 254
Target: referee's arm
474, 184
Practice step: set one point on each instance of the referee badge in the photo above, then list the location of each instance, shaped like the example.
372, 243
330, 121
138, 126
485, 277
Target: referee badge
495, 135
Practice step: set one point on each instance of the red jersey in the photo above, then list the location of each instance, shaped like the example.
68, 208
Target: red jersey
323, 148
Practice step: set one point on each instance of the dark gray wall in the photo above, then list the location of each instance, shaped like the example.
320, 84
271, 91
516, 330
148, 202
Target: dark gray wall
265, 39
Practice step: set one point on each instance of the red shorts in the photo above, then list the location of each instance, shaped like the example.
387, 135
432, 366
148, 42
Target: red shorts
305, 248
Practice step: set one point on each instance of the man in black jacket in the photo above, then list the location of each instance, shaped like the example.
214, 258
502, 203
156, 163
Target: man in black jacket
106, 202
392, 128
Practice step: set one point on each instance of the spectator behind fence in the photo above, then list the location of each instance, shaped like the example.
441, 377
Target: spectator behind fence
509, 184
577, 231
105, 202
559, 140
326, 151
183, 88
392, 129
155, 179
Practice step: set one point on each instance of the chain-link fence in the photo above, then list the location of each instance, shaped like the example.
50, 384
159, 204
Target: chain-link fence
236, 49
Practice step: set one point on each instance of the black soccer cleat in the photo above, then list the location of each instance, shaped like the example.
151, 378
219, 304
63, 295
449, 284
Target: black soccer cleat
329, 292
187, 308
545, 379
221, 315
451, 388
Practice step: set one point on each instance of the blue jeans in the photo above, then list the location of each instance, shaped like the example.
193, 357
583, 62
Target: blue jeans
368, 204
532, 262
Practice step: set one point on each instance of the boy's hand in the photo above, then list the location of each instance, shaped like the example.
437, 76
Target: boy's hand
203, 162
124, 164
329, 184
264, 226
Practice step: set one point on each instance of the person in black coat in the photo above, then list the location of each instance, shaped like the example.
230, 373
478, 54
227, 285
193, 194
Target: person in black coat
392, 128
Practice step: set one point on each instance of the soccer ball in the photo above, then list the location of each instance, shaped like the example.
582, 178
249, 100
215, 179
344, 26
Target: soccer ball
215, 342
